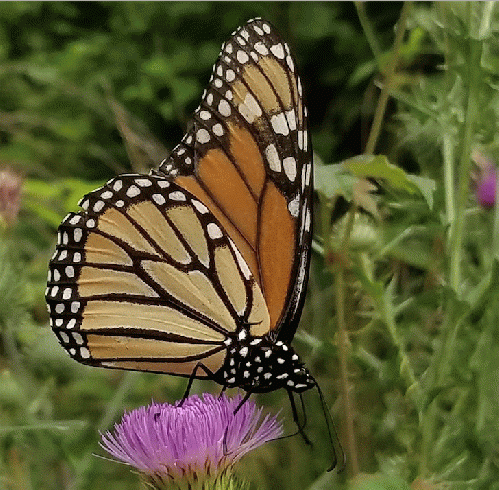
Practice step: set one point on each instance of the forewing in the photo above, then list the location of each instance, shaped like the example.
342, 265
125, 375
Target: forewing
248, 158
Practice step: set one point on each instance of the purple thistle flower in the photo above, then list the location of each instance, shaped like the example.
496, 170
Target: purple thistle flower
486, 188
485, 179
197, 440
10, 195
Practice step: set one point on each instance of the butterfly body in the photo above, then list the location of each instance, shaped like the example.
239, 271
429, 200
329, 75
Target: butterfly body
262, 364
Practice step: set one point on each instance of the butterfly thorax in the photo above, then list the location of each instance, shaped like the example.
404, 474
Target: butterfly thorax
262, 364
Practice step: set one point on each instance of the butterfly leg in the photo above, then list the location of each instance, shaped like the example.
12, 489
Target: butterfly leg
192, 377
223, 390
243, 401
303, 411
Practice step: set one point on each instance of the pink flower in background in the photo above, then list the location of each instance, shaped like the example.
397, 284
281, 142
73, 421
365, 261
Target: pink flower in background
485, 180
10, 195
486, 188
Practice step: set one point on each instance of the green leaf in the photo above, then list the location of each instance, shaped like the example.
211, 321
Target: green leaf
426, 186
40, 189
378, 167
158, 67
328, 480
333, 181
185, 90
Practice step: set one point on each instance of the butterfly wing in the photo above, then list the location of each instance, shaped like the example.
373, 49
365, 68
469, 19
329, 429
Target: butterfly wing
248, 158
145, 279
157, 272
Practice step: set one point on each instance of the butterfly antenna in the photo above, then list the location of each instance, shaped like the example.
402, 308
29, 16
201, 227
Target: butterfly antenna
297, 420
338, 453
303, 411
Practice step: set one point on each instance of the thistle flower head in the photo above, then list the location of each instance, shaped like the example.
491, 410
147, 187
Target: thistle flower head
190, 442
485, 180
10, 195
486, 188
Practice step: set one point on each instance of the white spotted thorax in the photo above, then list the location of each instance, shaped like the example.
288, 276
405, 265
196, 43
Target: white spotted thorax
262, 364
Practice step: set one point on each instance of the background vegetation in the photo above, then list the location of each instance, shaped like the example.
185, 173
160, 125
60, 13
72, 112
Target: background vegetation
401, 322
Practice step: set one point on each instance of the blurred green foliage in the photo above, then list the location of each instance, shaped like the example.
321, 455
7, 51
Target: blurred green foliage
89, 90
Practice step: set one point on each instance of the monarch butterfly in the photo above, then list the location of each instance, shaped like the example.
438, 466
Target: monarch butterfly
200, 268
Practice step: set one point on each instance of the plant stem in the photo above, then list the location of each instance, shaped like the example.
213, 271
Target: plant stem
368, 31
495, 229
464, 165
340, 268
388, 316
448, 157
343, 351
389, 76
456, 214
458, 225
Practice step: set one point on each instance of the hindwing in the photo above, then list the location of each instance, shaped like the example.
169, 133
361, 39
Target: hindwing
146, 278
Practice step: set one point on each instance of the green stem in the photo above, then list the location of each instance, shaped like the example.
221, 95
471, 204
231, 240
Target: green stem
456, 215
387, 312
448, 156
428, 428
389, 78
464, 165
343, 351
458, 224
338, 270
369, 32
